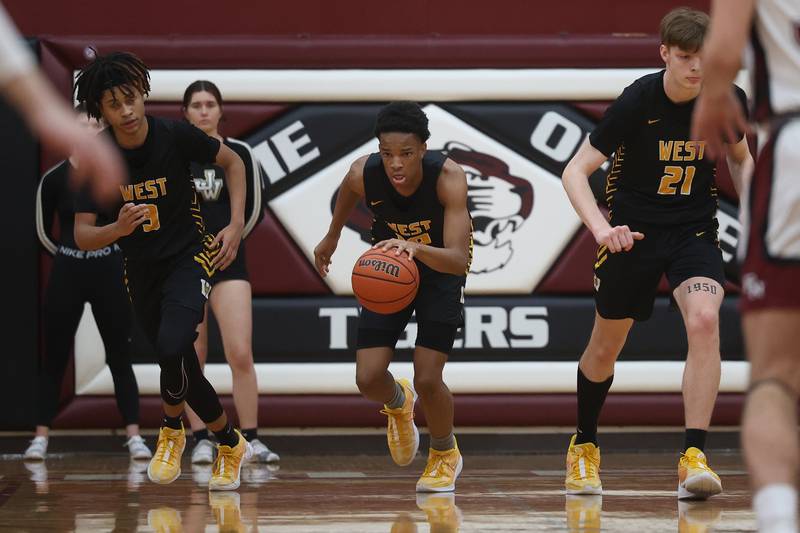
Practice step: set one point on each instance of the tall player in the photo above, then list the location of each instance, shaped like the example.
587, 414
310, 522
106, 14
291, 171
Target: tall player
169, 257
407, 186
663, 202
770, 288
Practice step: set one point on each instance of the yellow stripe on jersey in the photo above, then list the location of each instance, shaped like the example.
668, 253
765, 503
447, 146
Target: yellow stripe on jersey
613, 176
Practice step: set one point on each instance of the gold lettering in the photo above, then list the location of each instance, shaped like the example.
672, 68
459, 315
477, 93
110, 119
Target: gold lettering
664, 150
150, 187
138, 191
702, 145
127, 192
676, 150
162, 183
691, 151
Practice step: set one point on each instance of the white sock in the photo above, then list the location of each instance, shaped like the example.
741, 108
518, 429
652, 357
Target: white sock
776, 508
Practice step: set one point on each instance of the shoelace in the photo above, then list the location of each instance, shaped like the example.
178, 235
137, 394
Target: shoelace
693, 461
224, 458
162, 450
590, 465
439, 467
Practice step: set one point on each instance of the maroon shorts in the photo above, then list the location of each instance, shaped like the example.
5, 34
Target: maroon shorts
771, 269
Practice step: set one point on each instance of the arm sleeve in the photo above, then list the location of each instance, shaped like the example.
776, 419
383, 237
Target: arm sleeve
617, 122
15, 58
46, 206
195, 145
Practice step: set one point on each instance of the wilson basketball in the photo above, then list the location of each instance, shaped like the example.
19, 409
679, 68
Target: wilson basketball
384, 282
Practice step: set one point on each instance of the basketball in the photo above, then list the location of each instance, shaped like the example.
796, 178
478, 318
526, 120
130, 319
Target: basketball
384, 282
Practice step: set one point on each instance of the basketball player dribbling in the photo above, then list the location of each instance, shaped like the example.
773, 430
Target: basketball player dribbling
404, 185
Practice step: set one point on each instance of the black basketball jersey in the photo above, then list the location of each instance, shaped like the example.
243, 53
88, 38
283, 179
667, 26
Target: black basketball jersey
659, 176
212, 190
419, 217
159, 177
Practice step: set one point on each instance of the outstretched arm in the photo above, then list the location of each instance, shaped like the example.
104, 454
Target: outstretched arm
350, 192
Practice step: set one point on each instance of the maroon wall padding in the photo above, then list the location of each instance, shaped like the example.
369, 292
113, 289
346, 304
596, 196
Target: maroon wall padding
373, 51
572, 272
470, 410
322, 17
276, 265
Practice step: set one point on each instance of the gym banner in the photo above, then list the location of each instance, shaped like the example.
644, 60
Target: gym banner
513, 155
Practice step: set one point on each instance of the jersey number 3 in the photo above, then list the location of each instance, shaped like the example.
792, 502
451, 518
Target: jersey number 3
153, 223
673, 176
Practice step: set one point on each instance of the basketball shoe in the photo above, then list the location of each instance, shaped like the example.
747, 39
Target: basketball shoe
696, 480
441, 471
228, 465
583, 468
203, 453
262, 453
165, 466
401, 432
37, 451
137, 448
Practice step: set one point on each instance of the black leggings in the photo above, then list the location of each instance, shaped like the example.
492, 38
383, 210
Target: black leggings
169, 308
72, 283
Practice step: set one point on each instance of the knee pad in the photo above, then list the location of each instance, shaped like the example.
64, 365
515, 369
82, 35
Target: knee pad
437, 336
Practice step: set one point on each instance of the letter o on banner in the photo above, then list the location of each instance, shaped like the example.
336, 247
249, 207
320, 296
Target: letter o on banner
560, 147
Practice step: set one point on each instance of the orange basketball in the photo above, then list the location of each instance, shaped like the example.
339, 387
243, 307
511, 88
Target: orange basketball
384, 282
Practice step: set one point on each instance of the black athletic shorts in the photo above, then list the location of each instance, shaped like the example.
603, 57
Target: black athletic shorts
236, 270
439, 308
625, 283
184, 282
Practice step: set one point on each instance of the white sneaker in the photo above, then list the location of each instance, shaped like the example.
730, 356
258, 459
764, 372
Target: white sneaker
137, 448
262, 453
37, 450
203, 452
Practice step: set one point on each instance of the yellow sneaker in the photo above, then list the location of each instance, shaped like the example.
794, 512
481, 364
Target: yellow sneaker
165, 466
228, 465
227, 511
583, 469
583, 512
164, 520
696, 480
401, 432
697, 517
441, 471
441, 509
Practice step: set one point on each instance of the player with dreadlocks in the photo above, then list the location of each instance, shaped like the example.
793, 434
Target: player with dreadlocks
169, 258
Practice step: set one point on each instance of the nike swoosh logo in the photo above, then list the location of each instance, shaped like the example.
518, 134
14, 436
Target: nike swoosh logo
653, 121
378, 202
699, 233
